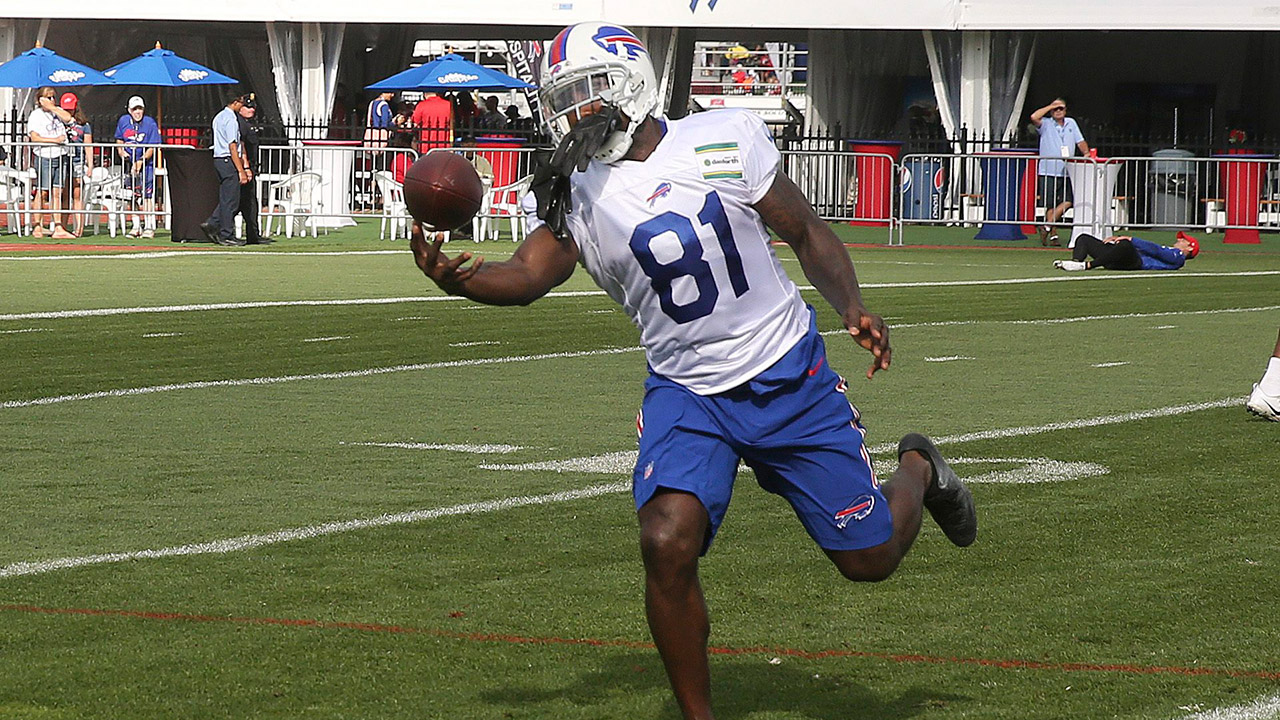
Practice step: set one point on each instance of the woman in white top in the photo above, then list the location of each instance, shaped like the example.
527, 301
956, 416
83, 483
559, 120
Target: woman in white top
47, 126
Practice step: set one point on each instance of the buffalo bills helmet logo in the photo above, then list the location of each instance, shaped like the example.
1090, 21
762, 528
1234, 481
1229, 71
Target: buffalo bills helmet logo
615, 40
857, 510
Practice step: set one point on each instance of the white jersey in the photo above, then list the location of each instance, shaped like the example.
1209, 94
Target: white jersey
675, 240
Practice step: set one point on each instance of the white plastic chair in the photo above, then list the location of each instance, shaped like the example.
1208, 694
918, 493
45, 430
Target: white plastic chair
15, 193
297, 198
394, 212
502, 202
105, 193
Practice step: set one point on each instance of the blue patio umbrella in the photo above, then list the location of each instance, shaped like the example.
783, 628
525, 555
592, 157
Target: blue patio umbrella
41, 66
450, 72
164, 68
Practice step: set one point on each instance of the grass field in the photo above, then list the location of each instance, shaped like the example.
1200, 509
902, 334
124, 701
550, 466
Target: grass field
298, 481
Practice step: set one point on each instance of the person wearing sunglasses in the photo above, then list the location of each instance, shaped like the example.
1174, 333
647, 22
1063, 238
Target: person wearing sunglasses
1060, 137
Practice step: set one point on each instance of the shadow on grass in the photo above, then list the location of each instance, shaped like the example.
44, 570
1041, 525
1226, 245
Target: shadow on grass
740, 688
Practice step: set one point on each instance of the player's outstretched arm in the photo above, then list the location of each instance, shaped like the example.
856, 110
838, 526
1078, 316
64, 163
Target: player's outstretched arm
540, 263
826, 264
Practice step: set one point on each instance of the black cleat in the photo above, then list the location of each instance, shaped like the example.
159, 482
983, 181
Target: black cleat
948, 500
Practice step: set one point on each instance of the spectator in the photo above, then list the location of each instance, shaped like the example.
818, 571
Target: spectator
1121, 252
249, 144
377, 121
512, 114
47, 125
227, 161
464, 114
1264, 401
134, 132
433, 116
492, 118
1059, 138
79, 134
403, 117
400, 161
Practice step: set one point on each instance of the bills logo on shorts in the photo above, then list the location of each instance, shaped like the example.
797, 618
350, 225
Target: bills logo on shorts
616, 41
663, 190
859, 509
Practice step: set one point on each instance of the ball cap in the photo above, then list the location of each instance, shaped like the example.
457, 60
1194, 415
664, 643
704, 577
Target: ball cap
136, 101
1194, 243
68, 101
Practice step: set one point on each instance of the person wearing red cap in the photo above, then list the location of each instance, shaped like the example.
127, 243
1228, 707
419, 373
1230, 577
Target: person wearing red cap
79, 133
1121, 252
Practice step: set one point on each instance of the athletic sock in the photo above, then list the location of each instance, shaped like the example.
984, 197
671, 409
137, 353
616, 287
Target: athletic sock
1270, 383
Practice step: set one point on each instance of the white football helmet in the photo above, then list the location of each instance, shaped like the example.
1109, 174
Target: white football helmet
597, 62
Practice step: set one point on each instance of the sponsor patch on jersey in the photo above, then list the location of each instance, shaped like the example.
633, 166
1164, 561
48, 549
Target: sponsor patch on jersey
663, 190
719, 161
857, 510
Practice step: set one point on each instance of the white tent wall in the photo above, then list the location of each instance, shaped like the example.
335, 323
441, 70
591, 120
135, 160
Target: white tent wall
857, 79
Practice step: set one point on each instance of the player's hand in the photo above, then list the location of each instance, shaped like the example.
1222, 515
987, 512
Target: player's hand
444, 272
870, 332
582, 143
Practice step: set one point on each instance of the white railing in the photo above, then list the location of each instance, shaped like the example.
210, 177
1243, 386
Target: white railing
1001, 192
323, 185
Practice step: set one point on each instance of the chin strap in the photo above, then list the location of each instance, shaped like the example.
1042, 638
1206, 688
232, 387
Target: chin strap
584, 140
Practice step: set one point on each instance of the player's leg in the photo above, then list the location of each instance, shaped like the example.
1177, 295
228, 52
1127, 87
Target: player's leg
904, 493
673, 526
1087, 246
682, 484
812, 453
1118, 256
1264, 401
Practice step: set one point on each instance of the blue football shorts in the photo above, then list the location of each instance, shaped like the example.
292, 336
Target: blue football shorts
791, 424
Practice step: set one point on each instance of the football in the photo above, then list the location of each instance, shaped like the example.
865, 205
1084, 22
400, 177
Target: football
442, 190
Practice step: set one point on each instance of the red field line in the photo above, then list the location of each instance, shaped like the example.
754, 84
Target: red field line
7, 247
1007, 664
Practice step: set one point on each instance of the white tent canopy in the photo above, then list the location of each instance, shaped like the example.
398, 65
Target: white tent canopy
849, 14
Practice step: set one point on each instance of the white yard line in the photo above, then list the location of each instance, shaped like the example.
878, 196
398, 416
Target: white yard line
451, 447
949, 358
610, 462
1264, 708
474, 343
329, 338
162, 334
1111, 364
204, 307
201, 384
23, 330
1073, 424
248, 542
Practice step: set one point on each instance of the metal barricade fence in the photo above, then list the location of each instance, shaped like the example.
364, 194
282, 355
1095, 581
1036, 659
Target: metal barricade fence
69, 186
1003, 194
842, 186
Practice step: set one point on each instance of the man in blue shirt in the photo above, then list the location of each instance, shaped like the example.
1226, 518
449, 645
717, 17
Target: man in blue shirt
1059, 138
232, 173
138, 135
1121, 252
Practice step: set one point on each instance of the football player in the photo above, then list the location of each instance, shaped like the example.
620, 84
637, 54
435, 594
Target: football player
671, 219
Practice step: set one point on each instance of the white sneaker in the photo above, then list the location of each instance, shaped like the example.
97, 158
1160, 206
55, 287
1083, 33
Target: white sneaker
1263, 405
148, 233
1070, 265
